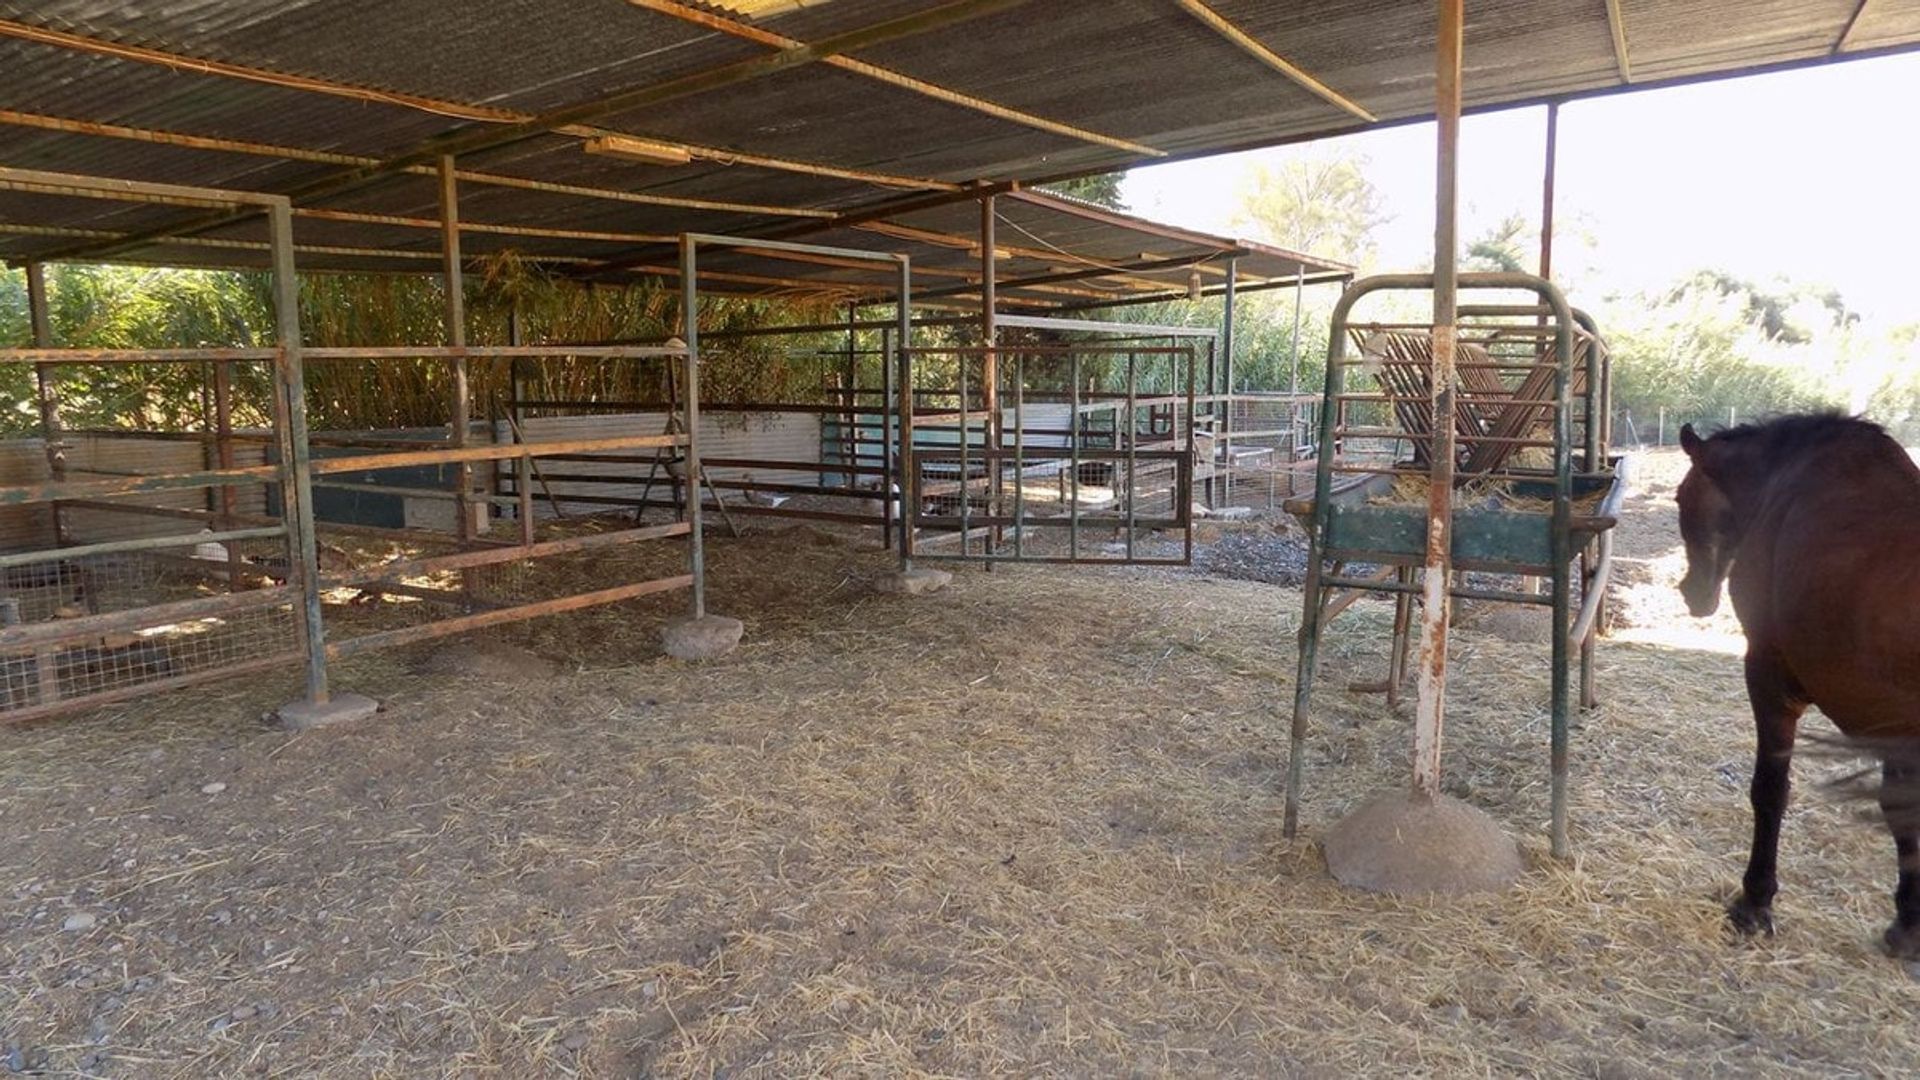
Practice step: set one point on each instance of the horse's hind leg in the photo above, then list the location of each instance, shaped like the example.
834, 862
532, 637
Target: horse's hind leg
1776, 716
1900, 804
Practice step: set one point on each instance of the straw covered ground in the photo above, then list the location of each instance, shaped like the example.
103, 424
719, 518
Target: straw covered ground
1027, 826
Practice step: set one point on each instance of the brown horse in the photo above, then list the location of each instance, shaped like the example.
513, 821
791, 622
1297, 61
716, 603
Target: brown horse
1814, 523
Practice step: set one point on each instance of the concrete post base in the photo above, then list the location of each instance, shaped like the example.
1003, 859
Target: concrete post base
705, 638
915, 582
339, 709
1399, 843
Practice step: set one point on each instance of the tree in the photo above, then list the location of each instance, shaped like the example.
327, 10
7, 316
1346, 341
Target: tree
1501, 248
1318, 206
1101, 190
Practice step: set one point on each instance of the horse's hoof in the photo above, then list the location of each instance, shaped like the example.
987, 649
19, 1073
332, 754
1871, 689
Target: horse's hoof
1902, 942
1748, 920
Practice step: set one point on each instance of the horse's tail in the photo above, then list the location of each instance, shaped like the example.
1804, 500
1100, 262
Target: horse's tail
1892, 779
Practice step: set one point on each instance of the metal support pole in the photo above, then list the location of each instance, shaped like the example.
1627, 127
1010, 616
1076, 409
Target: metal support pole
523, 466
909, 478
223, 459
456, 320
296, 490
1430, 712
889, 462
1226, 350
1019, 454
989, 370
1546, 190
1073, 453
1293, 382
44, 377
690, 333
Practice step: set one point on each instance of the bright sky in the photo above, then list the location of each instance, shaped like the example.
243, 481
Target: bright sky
1812, 174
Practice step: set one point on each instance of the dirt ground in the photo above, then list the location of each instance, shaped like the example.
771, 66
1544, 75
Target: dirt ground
1027, 826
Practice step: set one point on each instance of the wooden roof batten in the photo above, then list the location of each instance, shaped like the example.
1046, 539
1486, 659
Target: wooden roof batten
711, 21
507, 133
1248, 44
1617, 29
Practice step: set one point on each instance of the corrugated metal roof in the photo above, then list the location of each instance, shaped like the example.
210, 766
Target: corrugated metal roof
353, 82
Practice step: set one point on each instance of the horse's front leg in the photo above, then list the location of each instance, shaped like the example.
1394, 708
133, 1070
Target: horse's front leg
1900, 805
1776, 715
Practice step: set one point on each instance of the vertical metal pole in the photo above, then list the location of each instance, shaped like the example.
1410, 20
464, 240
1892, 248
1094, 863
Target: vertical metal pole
909, 481
690, 333
1300, 289
1546, 190
296, 489
516, 396
223, 457
1073, 452
966, 477
456, 329
1019, 454
1430, 713
989, 369
1133, 433
1226, 349
889, 389
1562, 554
45, 379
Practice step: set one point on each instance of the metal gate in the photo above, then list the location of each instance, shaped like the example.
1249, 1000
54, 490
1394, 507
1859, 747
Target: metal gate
1080, 453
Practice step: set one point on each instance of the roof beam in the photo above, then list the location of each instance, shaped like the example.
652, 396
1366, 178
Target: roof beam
972, 243
1853, 20
530, 231
468, 141
711, 21
1223, 26
1617, 26
326, 157
254, 245
438, 107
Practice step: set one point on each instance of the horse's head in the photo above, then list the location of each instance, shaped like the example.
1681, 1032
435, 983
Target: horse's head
1707, 523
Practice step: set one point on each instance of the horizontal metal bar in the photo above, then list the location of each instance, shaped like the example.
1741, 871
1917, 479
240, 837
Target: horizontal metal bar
443, 627
145, 543
483, 352
133, 356
56, 183
716, 240
133, 485
412, 493
467, 560
115, 622
500, 452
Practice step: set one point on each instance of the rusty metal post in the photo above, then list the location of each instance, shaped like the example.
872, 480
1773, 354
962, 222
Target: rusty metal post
909, 474
1546, 191
889, 462
1226, 367
1430, 710
456, 320
296, 492
690, 333
989, 377
223, 450
40, 318
516, 396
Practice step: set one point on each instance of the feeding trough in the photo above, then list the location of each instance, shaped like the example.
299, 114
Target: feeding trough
1533, 495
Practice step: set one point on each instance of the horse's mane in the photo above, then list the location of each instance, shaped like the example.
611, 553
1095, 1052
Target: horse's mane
1798, 433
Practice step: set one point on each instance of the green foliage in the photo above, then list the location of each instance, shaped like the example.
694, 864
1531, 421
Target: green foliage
123, 307
1503, 248
1101, 190
1321, 206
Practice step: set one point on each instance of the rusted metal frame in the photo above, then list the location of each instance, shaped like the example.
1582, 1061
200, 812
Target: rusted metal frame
46, 387
949, 96
467, 140
499, 616
65, 490
144, 543
55, 357
467, 560
903, 463
490, 452
989, 367
1436, 612
1617, 29
289, 153
76, 185
1019, 454
460, 396
411, 492
1221, 25
228, 244
893, 456
1226, 343
143, 689
224, 459
489, 228
1133, 439
523, 465
289, 402
493, 352
690, 333
628, 504
1073, 453
55, 631
1176, 263
1328, 278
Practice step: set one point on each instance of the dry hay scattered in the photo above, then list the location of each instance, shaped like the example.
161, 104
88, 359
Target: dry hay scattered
1029, 826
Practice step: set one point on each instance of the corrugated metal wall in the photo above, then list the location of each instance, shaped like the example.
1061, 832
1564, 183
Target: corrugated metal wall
778, 436
98, 456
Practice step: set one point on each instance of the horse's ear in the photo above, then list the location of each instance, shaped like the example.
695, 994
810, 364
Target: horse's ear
1691, 442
